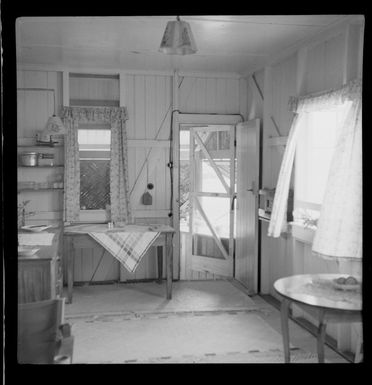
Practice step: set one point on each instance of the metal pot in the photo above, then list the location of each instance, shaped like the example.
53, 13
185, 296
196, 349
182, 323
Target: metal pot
29, 159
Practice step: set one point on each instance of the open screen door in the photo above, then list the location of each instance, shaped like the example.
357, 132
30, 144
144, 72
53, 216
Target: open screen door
212, 155
248, 171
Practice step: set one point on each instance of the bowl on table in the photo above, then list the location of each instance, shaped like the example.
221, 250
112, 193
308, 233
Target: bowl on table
347, 283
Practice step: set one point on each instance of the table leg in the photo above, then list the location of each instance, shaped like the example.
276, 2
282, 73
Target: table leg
169, 261
284, 310
70, 266
321, 336
359, 347
159, 254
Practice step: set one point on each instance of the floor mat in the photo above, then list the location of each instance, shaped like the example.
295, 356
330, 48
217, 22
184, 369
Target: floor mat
150, 297
274, 356
193, 337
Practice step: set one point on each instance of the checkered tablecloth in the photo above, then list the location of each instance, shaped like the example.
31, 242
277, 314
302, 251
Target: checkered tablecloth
127, 247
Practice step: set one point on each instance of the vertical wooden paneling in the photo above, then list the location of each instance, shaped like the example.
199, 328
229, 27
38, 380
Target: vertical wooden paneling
323, 65
334, 62
243, 98
139, 114
94, 88
283, 77
185, 91
30, 79
200, 95
33, 110
232, 96
210, 95
163, 106
129, 97
150, 107
221, 96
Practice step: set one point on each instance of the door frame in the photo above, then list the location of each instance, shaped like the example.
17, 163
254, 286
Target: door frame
189, 119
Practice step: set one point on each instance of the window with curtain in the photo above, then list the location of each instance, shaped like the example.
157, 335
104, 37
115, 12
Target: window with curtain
94, 155
96, 138
326, 136
315, 148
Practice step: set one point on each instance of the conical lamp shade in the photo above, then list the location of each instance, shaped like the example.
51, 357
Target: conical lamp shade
178, 39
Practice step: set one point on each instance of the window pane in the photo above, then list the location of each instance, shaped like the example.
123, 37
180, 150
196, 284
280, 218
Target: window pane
94, 149
94, 184
314, 152
90, 139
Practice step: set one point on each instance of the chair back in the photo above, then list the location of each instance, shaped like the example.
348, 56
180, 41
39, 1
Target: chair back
38, 324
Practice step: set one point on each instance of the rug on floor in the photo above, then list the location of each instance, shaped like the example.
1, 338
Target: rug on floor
234, 336
273, 356
150, 297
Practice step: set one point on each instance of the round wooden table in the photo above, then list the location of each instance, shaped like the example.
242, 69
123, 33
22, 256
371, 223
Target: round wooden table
316, 291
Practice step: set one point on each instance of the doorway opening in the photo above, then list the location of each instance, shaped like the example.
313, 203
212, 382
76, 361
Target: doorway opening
207, 189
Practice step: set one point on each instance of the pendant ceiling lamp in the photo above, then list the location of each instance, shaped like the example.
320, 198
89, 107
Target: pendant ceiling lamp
177, 39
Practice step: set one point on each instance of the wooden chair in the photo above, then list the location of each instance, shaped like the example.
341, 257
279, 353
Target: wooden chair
42, 338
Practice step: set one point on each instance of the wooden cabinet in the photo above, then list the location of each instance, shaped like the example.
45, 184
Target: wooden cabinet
39, 279
40, 276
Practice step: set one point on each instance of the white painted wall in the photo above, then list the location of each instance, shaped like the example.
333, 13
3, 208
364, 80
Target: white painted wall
148, 97
328, 62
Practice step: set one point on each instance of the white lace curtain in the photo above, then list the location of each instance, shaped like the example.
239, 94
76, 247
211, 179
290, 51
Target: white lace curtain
119, 195
339, 231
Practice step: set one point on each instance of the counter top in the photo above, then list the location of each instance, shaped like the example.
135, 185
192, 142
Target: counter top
45, 251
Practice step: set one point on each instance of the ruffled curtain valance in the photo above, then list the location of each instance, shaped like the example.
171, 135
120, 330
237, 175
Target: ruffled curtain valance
326, 99
334, 236
95, 114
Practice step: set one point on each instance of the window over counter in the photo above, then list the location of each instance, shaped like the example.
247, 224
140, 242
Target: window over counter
314, 152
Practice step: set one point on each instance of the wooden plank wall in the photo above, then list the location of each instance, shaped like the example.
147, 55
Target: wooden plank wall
327, 62
148, 98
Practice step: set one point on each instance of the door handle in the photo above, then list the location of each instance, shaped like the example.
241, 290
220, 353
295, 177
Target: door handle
232, 202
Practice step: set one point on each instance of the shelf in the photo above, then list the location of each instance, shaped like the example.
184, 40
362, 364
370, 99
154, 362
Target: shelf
39, 146
42, 166
41, 188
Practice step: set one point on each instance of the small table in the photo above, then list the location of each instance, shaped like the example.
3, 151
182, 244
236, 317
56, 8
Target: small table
76, 233
299, 289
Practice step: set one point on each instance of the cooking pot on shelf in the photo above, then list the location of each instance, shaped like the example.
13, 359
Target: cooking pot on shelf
29, 159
